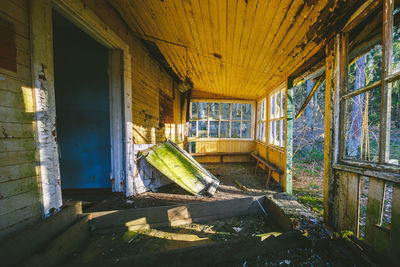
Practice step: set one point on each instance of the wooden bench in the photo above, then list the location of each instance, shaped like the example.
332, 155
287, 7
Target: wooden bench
269, 166
220, 154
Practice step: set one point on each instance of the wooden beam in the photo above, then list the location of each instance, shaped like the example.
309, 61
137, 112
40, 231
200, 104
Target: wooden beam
289, 94
314, 89
386, 88
328, 140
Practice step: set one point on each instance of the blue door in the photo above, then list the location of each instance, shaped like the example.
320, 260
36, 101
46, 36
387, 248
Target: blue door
82, 107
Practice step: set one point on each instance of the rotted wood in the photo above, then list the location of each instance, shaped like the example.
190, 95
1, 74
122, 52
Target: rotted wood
376, 195
349, 202
394, 245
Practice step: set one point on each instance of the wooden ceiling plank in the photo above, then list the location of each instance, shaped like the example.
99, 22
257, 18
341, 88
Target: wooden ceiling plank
279, 17
182, 30
209, 69
222, 35
247, 30
292, 40
239, 21
142, 14
190, 27
163, 28
230, 28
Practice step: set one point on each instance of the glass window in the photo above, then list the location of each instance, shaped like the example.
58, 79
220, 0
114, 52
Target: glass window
261, 120
214, 111
221, 120
203, 110
236, 111
225, 111
203, 129
247, 112
225, 129
277, 118
214, 128
193, 110
235, 132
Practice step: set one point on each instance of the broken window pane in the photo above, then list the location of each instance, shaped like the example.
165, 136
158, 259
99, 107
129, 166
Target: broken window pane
192, 129
362, 119
236, 111
214, 128
225, 111
283, 103
214, 111
365, 69
203, 110
247, 112
235, 131
203, 129
224, 129
394, 152
193, 112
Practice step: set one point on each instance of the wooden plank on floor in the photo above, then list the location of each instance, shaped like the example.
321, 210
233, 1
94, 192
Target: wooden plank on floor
171, 215
376, 194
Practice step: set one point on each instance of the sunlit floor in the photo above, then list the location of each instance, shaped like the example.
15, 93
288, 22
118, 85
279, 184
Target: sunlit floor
172, 194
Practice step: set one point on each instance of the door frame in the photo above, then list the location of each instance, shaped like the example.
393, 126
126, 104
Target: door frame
43, 82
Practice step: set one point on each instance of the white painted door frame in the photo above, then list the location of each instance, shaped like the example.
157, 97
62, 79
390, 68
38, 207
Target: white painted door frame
43, 77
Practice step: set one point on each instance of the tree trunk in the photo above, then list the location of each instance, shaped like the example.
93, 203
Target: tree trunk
353, 147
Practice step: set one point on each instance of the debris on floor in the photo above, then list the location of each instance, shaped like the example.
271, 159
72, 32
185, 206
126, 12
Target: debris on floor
179, 167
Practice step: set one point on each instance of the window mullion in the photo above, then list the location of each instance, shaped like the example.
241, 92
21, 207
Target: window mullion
386, 88
343, 87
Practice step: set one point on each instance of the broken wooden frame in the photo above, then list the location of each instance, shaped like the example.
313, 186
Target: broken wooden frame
342, 176
43, 77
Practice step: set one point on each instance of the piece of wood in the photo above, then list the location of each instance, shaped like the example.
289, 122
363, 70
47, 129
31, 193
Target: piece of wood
18, 247
266, 163
348, 210
171, 215
63, 245
240, 185
376, 195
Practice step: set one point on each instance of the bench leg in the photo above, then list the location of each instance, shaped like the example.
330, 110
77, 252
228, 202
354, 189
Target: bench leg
269, 177
220, 159
255, 171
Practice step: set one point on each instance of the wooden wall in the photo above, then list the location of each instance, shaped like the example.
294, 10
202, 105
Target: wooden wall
224, 146
19, 194
149, 81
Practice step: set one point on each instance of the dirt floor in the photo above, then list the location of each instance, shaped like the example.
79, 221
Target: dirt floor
172, 194
123, 244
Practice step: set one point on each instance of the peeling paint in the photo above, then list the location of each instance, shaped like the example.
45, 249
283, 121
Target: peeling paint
47, 144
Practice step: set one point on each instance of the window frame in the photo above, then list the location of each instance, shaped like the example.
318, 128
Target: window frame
382, 166
208, 138
273, 117
261, 119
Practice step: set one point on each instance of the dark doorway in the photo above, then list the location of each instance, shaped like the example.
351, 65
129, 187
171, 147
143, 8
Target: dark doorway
82, 107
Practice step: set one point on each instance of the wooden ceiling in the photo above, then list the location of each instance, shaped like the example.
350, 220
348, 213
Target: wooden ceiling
235, 48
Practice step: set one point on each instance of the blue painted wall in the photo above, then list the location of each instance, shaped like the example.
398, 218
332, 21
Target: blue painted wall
82, 106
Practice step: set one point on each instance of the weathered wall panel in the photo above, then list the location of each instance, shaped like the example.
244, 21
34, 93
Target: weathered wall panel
224, 146
19, 194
